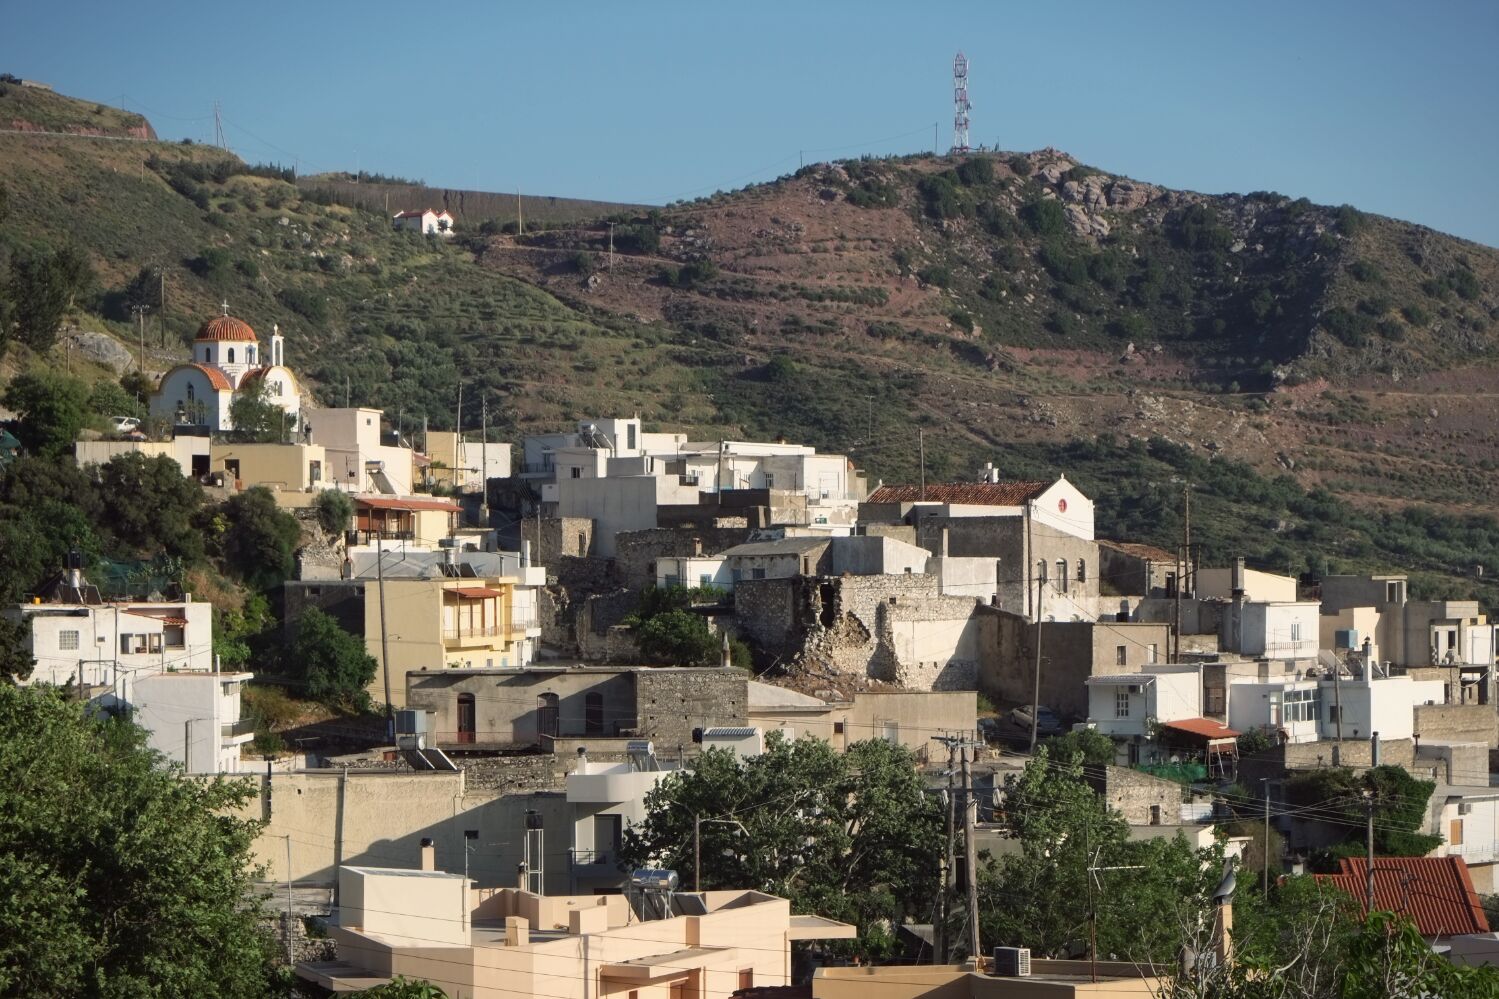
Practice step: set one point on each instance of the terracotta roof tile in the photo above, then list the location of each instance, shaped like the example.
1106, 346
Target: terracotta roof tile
1437, 892
1205, 727
216, 378
963, 493
225, 328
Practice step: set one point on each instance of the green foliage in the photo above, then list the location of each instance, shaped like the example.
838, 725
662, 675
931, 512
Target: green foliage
258, 538
667, 632
307, 303
255, 418
1021, 165
41, 289
1093, 748
1044, 216
335, 511
937, 275
404, 988
214, 265
1415, 315
118, 878
1040, 897
780, 369
329, 663
151, 507
1362, 270
239, 633
637, 239
46, 509
939, 196
1198, 229
850, 836
1400, 807
53, 407
16, 662
690, 274
976, 171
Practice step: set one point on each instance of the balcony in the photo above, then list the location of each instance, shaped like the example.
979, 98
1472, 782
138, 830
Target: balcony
594, 862
1475, 853
469, 637
234, 730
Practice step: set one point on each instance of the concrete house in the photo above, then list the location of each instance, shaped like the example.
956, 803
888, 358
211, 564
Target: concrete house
425, 221
909, 718
1129, 706
193, 717
1467, 819
506, 943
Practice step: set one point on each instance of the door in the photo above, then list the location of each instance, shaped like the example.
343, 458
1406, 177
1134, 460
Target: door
546, 716
593, 714
466, 723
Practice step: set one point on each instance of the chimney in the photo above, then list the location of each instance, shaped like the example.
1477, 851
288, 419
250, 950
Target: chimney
429, 854
726, 656
582, 760
1223, 936
517, 931
697, 547
525, 554
520, 876
1237, 579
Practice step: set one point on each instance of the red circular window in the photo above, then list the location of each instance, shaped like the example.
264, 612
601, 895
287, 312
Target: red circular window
1061, 506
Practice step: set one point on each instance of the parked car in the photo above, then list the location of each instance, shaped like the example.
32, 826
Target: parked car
1047, 721
124, 424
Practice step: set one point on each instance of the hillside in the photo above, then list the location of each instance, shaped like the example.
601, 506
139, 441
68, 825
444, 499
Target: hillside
470, 209
29, 107
1324, 378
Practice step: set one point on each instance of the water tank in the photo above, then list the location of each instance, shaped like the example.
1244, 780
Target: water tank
653, 879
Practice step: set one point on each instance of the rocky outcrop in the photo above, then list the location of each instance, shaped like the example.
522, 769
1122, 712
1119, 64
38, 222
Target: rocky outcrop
101, 348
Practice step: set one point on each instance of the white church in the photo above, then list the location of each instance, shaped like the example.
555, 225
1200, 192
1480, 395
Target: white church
226, 359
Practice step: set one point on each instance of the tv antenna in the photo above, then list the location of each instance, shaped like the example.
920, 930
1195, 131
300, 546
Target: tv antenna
960, 105
218, 128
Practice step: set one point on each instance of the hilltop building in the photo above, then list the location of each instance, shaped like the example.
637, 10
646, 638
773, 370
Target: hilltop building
226, 359
425, 221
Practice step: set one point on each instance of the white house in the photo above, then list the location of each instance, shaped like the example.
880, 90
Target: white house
425, 221
1059, 505
694, 571
194, 718
1130, 705
358, 459
606, 799
1288, 629
1305, 709
1467, 819
226, 359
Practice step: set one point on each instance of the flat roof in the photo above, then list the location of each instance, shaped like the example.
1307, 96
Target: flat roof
403, 872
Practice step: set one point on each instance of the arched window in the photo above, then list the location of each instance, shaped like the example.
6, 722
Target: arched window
205, 353
231, 355
190, 394
249, 355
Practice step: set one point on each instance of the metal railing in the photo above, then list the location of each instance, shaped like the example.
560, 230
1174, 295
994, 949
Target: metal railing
601, 861
458, 634
1476, 853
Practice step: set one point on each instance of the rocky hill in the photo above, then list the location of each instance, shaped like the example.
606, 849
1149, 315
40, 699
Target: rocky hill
1325, 379
27, 106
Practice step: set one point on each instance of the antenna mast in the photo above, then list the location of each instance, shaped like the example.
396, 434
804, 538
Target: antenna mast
960, 105
218, 128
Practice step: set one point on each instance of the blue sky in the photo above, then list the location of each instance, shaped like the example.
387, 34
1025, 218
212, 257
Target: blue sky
1391, 107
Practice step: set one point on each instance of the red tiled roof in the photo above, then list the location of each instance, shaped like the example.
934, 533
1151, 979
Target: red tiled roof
1148, 552
1205, 727
1437, 892
216, 378
225, 328
416, 214
963, 493
394, 503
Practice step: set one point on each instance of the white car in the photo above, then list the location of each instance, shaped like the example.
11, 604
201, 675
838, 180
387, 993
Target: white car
124, 424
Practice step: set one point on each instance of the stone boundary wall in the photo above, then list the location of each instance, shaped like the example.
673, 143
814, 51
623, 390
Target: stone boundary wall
636, 552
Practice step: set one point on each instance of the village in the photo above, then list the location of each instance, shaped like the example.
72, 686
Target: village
563, 622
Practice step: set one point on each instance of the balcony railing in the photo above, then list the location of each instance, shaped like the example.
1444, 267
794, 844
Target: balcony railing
1475, 853
595, 861
462, 634
230, 730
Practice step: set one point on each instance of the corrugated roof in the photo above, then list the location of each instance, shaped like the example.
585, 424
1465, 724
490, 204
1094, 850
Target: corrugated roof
963, 493
395, 503
1437, 892
476, 592
1205, 727
1148, 552
785, 546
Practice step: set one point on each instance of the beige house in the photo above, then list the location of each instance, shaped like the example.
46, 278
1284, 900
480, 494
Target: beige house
1047, 980
911, 718
278, 467
499, 943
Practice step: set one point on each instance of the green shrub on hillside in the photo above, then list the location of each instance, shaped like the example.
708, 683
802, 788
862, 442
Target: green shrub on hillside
1044, 216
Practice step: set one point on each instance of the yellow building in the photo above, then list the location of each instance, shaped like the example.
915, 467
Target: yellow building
278, 467
504, 943
443, 622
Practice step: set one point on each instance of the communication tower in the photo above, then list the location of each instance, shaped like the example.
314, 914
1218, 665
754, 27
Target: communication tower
960, 105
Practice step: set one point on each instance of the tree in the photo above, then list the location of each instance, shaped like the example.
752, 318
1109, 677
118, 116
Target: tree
404, 988
16, 662
255, 418
150, 506
117, 877
258, 538
47, 508
1400, 808
335, 511
1094, 748
667, 632
851, 836
42, 288
1043, 897
53, 408
331, 664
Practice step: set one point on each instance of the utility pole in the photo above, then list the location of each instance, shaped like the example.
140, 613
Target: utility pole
520, 219
611, 247
161, 307
484, 461
1369, 848
697, 851
970, 849
921, 448
1036, 669
140, 322
290, 961
940, 955
1176, 627
348, 392
390, 717
1267, 839
1337, 710
187, 738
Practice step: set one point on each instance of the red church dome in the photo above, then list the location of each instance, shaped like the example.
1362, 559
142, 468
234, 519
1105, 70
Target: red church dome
226, 328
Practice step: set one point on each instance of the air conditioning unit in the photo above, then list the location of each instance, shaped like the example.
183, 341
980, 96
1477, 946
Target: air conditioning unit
1012, 962
1465, 808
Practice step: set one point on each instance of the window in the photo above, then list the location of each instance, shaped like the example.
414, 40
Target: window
630, 436
757, 573
593, 713
231, 355
175, 636
1295, 631
1170, 584
67, 639
1392, 593
837, 728
1120, 656
1062, 574
132, 644
1301, 705
205, 353
734, 574
770, 481
1082, 570
191, 395
705, 580
1333, 713
1154, 651
1121, 703
576, 473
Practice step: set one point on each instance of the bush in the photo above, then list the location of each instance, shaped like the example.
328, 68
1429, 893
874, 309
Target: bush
335, 511
1044, 216
213, 264
939, 197
1362, 270
976, 171
332, 664
1415, 315
936, 274
259, 538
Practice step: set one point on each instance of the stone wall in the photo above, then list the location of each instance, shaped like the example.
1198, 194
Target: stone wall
600, 636
570, 581
1458, 723
1133, 794
636, 552
670, 703
1354, 754
561, 537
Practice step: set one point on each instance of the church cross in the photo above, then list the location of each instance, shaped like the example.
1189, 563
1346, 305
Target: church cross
225, 306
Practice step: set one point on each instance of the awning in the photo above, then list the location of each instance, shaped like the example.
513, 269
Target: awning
475, 592
1204, 728
397, 503
181, 622
673, 964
